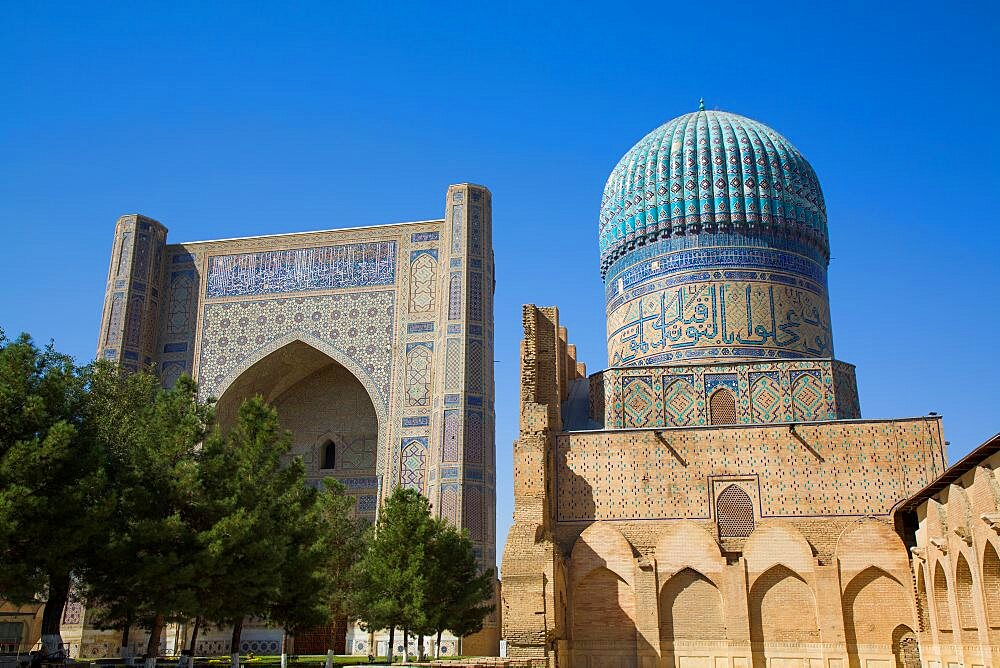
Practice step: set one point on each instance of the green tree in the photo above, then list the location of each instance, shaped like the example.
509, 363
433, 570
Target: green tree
51, 479
258, 503
458, 594
316, 579
151, 439
391, 574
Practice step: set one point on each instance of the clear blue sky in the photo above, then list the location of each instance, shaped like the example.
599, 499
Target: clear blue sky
233, 119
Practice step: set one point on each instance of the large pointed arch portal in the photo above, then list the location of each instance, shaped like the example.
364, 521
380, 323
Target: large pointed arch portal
331, 408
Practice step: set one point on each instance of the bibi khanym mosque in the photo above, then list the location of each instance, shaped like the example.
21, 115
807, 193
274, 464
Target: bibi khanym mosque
712, 499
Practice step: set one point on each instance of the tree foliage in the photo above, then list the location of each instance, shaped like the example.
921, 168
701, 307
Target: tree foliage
51, 479
391, 574
458, 595
152, 439
101, 468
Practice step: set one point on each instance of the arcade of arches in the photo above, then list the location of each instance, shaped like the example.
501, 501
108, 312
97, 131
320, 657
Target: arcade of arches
692, 605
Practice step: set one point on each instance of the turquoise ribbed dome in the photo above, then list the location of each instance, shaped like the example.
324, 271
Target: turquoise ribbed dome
712, 174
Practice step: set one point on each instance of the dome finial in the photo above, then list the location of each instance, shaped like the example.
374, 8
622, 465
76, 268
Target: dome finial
701, 104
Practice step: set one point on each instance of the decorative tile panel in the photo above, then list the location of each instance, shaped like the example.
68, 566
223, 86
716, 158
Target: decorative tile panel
302, 269
449, 441
360, 325
419, 364
413, 463
423, 281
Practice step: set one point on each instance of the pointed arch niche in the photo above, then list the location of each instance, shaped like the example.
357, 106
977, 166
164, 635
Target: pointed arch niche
320, 400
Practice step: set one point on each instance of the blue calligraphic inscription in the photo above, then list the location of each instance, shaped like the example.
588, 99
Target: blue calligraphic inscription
302, 269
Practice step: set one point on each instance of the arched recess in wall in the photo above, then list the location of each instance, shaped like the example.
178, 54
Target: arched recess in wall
991, 586
905, 648
875, 604
942, 612
314, 393
691, 608
963, 598
722, 407
923, 611
782, 608
603, 610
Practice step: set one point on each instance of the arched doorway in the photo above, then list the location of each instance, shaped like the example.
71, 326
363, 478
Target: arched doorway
335, 430
905, 648
331, 416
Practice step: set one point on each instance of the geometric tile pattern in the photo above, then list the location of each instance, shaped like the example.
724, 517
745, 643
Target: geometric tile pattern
455, 296
472, 511
639, 402
449, 443
449, 503
453, 363
766, 399
413, 463
423, 279
807, 396
419, 361
866, 469
232, 332
474, 379
762, 392
473, 437
681, 403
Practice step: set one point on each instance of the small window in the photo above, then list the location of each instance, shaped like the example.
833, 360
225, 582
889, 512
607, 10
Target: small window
10, 637
734, 513
329, 455
722, 407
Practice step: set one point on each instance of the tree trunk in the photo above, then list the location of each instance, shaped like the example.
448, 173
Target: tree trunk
329, 658
437, 646
187, 655
284, 648
406, 646
234, 644
125, 651
420, 647
52, 616
194, 636
392, 636
153, 646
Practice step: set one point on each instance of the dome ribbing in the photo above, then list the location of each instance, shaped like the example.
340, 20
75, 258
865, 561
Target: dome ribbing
712, 172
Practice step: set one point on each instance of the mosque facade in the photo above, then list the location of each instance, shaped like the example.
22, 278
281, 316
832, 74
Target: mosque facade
374, 344
713, 498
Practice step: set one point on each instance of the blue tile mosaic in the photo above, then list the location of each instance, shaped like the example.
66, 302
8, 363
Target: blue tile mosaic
302, 269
